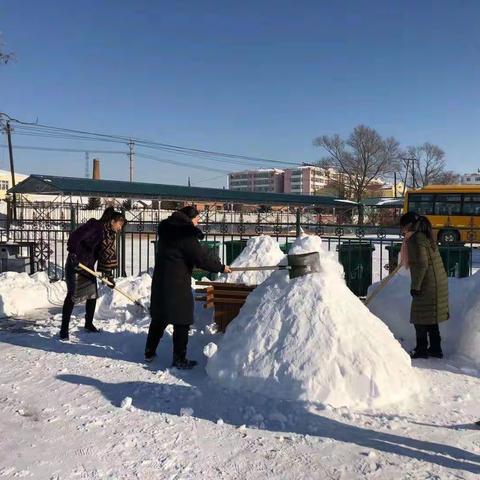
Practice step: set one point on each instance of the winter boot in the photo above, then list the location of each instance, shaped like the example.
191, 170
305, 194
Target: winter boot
418, 353
64, 335
435, 348
90, 327
183, 363
150, 357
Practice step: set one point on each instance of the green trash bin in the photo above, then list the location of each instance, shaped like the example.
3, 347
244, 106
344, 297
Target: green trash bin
215, 248
456, 259
356, 259
393, 256
233, 249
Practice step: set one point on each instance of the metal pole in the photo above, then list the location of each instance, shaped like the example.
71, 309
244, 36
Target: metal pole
298, 227
131, 158
395, 184
12, 168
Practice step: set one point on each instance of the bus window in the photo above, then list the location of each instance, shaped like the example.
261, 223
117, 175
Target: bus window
448, 204
471, 205
420, 203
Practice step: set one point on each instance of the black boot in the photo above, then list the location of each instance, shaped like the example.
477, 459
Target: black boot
183, 363
420, 350
419, 354
66, 314
435, 348
89, 312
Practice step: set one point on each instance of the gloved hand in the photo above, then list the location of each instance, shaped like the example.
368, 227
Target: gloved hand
109, 278
415, 293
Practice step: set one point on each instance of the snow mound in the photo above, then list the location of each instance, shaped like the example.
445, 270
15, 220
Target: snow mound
21, 293
311, 339
392, 306
468, 345
259, 252
114, 305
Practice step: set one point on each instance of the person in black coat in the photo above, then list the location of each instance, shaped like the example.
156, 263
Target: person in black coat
90, 243
178, 252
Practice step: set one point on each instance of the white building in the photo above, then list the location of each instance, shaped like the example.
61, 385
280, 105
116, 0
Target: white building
471, 178
305, 180
261, 180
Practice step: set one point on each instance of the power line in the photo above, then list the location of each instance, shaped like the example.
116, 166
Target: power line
67, 133
182, 164
70, 150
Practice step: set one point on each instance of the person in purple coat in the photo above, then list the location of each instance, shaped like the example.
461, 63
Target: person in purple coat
90, 243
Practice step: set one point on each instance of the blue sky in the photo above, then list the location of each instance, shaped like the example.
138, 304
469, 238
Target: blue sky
261, 78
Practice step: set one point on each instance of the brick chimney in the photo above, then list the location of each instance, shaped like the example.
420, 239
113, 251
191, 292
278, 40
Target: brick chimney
96, 169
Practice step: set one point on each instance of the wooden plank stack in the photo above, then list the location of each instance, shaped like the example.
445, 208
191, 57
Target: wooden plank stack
225, 298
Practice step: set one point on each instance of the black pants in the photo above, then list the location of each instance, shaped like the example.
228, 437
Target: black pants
180, 339
68, 305
428, 338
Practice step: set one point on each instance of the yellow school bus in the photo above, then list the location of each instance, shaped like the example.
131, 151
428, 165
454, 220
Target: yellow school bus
454, 210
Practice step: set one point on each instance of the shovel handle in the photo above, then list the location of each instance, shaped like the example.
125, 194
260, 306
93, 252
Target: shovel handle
382, 285
110, 284
258, 269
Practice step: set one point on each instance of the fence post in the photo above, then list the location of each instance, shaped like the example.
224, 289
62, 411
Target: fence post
298, 228
73, 219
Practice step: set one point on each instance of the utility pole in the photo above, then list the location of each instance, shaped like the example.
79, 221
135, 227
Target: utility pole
12, 168
87, 165
189, 184
395, 183
131, 158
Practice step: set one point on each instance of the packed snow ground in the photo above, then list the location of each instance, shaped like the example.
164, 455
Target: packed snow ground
90, 409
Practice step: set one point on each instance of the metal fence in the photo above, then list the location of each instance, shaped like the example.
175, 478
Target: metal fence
43, 235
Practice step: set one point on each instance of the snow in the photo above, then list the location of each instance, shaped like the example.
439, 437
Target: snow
20, 292
310, 339
61, 411
392, 305
210, 350
260, 251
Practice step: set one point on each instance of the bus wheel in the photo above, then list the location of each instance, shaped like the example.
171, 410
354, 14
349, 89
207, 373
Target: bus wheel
448, 236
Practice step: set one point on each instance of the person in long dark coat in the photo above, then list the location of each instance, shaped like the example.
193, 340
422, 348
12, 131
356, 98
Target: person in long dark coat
90, 243
178, 252
429, 284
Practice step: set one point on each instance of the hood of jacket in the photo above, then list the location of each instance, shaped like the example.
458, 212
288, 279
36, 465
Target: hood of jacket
178, 225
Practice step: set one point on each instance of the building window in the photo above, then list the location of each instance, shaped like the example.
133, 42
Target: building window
4, 185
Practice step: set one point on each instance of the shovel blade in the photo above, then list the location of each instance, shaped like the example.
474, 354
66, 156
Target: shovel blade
303, 264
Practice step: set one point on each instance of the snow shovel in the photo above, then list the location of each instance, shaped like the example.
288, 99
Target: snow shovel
382, 285
298, 265
109, 284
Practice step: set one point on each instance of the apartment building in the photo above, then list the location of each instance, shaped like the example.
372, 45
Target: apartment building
261, 180
305, 180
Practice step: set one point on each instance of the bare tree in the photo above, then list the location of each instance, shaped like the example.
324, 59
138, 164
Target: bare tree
448, 177
4, 56
424, 165
360, 159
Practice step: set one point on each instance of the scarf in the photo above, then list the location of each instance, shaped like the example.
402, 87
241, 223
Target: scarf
107, 257
404, 260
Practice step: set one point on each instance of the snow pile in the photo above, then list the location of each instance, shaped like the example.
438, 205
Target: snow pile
21, 293
392, 306
113, 305
259, 252
468, 345
311, 339
210, 350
